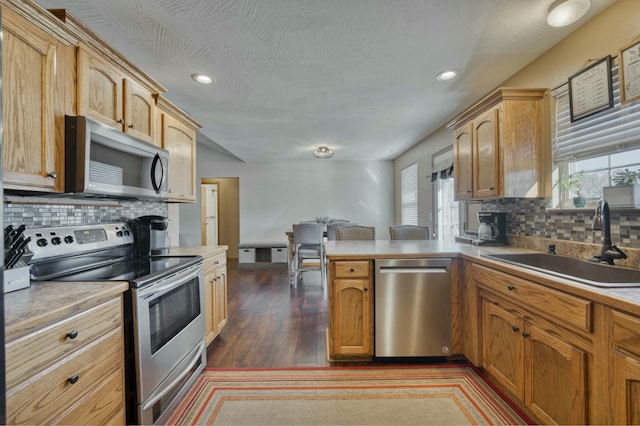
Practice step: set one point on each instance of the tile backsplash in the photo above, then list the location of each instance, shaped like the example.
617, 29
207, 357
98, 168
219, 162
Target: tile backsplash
530, 217
34, 212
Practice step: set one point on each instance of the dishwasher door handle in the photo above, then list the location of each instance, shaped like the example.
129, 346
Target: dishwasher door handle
413, 270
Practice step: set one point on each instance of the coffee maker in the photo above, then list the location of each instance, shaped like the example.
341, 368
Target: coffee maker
150, 235
492, 229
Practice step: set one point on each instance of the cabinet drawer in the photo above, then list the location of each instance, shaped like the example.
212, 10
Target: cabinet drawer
35, 352
103, 404
211, 263
352, 269
47, 395
570, 309
626, 332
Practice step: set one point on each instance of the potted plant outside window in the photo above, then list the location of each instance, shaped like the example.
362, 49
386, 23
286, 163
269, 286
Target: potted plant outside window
573, 185
626, 189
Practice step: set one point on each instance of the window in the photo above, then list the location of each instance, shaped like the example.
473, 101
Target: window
446, 208
409, 194
595, 147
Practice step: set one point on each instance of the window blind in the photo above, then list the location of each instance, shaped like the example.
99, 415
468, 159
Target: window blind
409, 194
613, 130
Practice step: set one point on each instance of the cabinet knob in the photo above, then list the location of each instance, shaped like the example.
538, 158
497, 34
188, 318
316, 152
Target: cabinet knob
492, 188
511, 287
352, 270
132, 126
515, 328
525, 334
73, 379
72, 334
366, 289
53, 175
121, 121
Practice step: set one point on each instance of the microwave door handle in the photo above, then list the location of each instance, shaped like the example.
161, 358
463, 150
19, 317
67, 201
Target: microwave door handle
152, 400
157, 185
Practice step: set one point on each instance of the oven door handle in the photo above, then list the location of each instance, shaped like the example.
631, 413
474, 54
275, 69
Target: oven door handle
155, 398
176, 280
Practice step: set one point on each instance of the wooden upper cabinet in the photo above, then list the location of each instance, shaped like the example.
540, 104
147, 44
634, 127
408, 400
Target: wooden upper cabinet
179, 138
463, 163
35, 98
107, 94
502, 146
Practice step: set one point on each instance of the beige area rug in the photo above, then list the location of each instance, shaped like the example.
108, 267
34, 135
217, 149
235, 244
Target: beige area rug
442, 395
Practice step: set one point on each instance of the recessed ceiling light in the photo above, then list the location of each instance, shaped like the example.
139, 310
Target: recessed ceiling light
447, 75
202, 78
566, 12
322, 152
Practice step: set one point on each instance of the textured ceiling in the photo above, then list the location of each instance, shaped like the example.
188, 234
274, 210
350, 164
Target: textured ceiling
355, 75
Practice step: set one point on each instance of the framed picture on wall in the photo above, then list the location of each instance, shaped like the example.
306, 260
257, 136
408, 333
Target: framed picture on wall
591, 89
629, 62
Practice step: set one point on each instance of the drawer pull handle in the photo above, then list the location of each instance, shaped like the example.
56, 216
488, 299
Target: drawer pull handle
352, 270
525, 334
511, 287
73, 379
515, 328
72, 334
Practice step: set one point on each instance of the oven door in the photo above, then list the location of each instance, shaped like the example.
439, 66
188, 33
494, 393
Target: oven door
169, 329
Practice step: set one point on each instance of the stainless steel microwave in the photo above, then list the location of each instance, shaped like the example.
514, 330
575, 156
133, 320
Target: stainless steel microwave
101, 161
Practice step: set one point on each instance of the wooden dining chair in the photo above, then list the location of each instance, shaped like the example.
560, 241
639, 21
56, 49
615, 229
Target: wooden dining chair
308, 243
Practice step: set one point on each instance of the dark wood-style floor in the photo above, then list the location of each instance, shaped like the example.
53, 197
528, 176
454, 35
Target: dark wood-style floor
271, 324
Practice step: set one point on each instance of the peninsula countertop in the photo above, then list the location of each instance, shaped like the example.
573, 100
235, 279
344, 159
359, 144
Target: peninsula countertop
623, 298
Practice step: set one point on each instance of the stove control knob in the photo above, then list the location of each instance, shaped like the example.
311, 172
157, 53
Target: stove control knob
119, 234
42, 242
68, 239
127, 233
56, 241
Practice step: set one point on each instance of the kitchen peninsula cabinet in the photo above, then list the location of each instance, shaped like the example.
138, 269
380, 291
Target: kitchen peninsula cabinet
37, 92
351, 309
502, 146
65, 365
179, 138
625, 367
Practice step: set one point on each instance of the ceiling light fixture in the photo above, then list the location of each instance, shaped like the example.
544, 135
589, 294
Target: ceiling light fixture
202, 78
322, 152
447, 75
566, 12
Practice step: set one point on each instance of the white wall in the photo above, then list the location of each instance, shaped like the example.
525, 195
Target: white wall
276, 194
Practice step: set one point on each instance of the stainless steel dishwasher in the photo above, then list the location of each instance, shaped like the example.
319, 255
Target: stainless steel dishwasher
412, 307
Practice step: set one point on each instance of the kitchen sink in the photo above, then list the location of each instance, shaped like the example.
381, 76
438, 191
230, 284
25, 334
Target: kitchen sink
592, 273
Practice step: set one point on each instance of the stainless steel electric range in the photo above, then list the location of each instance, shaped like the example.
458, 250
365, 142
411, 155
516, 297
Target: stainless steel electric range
164, 308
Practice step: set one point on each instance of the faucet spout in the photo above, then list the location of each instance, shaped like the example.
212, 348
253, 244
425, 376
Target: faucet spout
601, 221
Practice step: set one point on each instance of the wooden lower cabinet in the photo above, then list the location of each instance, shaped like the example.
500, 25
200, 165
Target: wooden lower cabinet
215, 289
69, 371
543, 370
625, 368
351, 309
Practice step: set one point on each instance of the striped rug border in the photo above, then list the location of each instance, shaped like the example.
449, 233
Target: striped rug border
191, 398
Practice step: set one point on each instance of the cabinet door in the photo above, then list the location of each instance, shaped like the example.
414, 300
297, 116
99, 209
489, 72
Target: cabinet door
486, 168
556, 378
626, 389
139, 112
100, 90
209, 307
32, 158
502, 347
352, 317
180, 140
220, 300
464, 165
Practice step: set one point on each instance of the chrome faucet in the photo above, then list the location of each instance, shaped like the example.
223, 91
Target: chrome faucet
601, 221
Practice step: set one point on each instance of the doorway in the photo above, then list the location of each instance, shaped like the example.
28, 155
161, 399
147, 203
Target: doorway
221, 222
